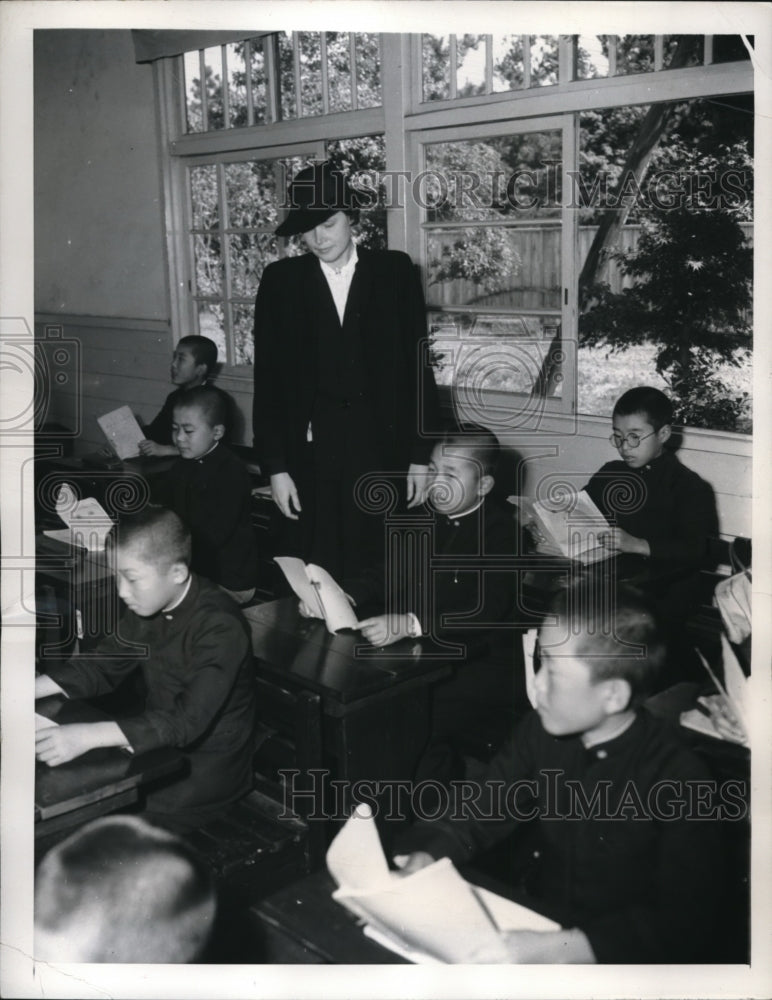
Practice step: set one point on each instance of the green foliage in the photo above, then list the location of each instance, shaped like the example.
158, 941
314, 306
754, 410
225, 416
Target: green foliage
693, 273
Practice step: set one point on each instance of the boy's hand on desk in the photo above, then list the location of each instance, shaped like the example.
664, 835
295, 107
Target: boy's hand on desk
46, 686
285, 495
409, 863
383, 630
417, 484
622, 541
151, 449
58, 744
549, 947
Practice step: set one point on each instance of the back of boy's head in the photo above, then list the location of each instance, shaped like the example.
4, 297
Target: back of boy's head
121, 890
208, 401
155, 535
203, 350
645, 399
615, 631
478, 443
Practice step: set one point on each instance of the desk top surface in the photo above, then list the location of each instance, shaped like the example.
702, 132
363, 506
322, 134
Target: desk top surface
342, 667
98, 774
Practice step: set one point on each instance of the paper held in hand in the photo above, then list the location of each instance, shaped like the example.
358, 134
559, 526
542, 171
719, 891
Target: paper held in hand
88, 523
431, 916
121, 429
319, 592
570, 526
728, 710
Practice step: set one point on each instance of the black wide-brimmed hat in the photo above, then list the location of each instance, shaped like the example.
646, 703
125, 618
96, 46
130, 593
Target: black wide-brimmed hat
315, 194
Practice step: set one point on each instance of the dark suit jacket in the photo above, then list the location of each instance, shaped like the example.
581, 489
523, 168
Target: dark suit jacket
294, 311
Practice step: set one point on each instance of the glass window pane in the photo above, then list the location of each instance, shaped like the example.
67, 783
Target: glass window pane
251, 192
288, 102
211, 323
259, 81
203, 197
368, 71
730, 48
435, 67
243, 315
310, 73
635, 54
683, 50
248, 255
476, 352
208, 264
544, 60
364, 158
213, 69
494, 178
237, 85
494, 267
591, 57
507, 62
192, 74
339, 70
470, 65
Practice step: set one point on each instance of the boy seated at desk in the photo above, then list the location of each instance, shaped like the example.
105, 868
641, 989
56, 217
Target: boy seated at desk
195, 652
122, 890
622, 858
193, 364
210, 489
463, 597
663, 513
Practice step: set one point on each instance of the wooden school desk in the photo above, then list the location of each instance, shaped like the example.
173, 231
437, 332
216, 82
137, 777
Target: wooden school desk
98, 782
374, 702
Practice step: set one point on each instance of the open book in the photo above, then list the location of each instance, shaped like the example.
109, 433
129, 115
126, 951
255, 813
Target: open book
431, 916
319, 592
727, 711
121, 429
570, 530
88, 524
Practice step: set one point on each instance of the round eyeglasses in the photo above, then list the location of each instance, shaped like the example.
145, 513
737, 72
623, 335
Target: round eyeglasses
632, 440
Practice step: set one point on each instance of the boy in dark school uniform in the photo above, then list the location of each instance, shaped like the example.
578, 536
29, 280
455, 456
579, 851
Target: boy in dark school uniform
626, 854
464, 595
193, 363
210, 489
196, 662
663, 512
122, 890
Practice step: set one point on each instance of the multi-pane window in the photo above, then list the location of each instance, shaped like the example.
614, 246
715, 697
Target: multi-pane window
279, 77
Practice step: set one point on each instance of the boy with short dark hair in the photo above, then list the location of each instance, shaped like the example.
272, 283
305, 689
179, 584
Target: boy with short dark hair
121, 890
210, 489
464, 595
663, 511
193, 363
623, 860
195, 653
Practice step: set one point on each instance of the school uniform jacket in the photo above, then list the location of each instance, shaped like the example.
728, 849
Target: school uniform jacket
196, 662
627, 844
377, 371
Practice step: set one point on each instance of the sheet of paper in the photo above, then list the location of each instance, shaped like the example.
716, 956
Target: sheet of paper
735, 682
295, 572
433, 911
337, 609
575, 531
121, 429
355, 858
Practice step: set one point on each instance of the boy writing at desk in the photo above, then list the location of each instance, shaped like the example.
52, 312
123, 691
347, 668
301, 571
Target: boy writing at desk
464, 596
195, 653
624, 860
209, 488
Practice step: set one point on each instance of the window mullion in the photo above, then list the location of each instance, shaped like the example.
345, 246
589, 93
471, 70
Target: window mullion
526, 61
248, 81
296, 71
204, 100
612, 55
489, 64
453, 57
708, 54
222, 202
272, 78
226, 97
325, 75
353, 63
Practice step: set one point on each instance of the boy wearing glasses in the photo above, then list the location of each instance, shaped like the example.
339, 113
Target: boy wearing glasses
662, 513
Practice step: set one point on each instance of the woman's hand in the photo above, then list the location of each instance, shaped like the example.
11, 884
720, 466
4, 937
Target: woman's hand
285, 495
417, 484
409, 863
